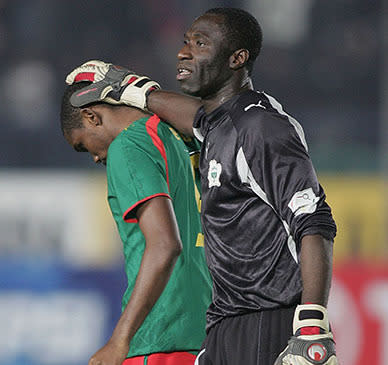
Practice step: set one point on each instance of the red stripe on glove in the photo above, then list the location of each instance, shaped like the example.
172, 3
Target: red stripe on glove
85, 76
132, 79
310, 331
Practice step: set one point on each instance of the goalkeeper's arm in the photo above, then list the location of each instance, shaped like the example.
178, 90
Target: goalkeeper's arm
312, 342
177, 109
316, 268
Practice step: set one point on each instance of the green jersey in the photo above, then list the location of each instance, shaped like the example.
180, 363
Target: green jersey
146, 160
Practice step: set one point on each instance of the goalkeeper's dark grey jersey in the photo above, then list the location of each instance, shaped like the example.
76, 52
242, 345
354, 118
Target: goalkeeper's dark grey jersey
260, 196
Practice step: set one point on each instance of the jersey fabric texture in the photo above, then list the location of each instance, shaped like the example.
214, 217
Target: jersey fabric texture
146, 160
260, 196
251, 339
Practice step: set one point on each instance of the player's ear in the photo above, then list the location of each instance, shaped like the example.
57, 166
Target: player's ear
90, 117
238, 59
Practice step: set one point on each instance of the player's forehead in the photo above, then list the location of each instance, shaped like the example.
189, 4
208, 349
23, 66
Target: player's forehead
209, 25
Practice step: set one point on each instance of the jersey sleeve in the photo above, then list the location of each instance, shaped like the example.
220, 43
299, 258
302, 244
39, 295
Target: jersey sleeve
280, 171
135, 176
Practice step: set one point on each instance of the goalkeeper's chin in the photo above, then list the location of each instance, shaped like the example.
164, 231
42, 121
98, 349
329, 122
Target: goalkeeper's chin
188, 89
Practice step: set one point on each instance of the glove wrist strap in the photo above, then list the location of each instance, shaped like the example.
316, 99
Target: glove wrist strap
312, 316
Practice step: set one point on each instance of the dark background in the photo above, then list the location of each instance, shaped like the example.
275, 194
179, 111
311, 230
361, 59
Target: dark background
324, 64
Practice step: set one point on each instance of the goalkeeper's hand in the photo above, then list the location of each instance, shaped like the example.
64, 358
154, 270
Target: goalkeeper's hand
312, 342
111, 84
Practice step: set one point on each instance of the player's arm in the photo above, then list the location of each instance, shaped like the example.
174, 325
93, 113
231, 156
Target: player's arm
300, 201
316, 258
178, 109
277, 157
117, 85
157, 222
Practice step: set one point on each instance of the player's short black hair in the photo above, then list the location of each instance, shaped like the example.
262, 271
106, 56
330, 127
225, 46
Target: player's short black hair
242, 30
70, 115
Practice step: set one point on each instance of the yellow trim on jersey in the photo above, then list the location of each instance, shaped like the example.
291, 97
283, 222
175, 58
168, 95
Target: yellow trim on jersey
200, 240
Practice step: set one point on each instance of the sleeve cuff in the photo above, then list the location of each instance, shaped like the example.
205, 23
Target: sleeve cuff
129, 219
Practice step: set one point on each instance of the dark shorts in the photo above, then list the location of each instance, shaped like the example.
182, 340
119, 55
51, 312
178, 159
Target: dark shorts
250, 339
171, 358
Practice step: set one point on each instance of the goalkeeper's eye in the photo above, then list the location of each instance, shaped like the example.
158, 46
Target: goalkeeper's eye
200, 43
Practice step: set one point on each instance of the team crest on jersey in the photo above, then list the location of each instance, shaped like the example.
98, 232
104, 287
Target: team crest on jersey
214, 173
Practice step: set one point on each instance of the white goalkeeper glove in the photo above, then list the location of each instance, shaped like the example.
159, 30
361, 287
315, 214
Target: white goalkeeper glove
312, 342
111, 84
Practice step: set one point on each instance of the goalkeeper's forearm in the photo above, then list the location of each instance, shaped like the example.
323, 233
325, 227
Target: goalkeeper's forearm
316, 267
177, 109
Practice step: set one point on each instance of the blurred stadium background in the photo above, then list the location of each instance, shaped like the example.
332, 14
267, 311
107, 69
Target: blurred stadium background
61, 275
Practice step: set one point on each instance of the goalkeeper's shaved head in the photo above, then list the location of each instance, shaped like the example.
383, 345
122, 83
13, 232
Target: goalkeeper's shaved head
241, 30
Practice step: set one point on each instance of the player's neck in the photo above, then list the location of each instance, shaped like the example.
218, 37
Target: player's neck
234, 87
125, 116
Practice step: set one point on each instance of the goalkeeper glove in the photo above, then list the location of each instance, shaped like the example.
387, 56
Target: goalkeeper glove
111, 84
312, 343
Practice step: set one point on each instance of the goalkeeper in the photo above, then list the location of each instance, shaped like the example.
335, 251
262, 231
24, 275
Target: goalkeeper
268, 229
152, 195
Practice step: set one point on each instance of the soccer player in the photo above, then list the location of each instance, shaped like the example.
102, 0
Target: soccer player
268, 229
151, 193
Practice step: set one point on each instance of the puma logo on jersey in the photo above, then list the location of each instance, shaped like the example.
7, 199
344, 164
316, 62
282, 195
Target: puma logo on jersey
255, 105
214, 173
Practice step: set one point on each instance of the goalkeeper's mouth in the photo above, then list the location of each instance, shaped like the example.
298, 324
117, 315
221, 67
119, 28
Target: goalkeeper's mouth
183, 73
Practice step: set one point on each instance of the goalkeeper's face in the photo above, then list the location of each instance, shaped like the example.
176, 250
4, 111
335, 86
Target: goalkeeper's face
203, 62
